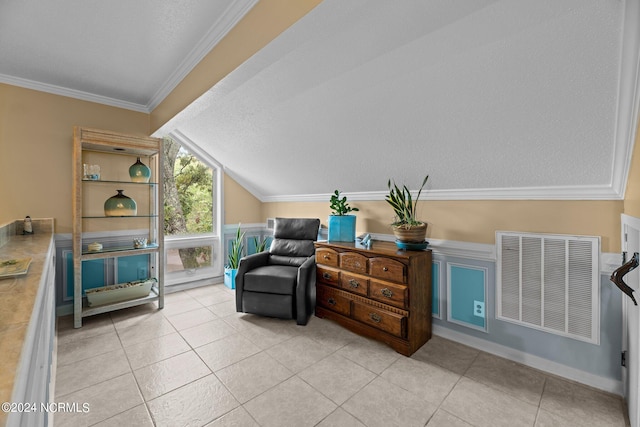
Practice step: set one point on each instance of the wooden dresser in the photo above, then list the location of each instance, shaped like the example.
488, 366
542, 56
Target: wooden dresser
381, 292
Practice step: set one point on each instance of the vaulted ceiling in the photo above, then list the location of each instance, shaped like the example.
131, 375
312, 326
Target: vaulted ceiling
492, 99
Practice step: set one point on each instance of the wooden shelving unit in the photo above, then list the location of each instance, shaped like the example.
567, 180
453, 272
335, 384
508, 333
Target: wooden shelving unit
116, 152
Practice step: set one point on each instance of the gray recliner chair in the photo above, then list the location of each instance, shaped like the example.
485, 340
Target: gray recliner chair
282, 281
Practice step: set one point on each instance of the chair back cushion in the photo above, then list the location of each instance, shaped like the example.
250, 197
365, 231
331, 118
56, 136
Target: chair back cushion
294, 237
296, 228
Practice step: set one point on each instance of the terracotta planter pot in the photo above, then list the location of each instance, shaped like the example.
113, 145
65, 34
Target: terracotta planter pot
412, 234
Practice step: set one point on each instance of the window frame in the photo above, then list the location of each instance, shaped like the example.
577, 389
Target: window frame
216, 271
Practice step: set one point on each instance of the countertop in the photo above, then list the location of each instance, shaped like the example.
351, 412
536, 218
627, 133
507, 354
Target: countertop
17, 299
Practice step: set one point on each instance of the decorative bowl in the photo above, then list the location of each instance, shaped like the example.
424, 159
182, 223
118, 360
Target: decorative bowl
412, 246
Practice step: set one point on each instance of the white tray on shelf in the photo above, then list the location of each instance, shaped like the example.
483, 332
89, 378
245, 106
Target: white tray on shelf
119, 292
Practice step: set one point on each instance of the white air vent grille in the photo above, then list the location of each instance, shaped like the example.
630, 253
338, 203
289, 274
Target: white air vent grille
549, 282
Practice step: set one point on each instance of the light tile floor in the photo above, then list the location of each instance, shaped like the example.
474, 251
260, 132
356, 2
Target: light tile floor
199, 363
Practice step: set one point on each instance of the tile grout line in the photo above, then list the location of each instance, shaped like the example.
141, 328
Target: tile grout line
144, 401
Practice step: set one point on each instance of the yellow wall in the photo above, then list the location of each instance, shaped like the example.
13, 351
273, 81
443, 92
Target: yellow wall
240, 206
36, 138
632, 195
477, 220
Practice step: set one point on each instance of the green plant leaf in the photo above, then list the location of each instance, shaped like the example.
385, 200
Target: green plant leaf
403, 203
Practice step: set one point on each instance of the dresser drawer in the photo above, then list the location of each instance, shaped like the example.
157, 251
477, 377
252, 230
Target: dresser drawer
353, 283
328, 275
327, 257
332, 300
387, 268
393, 323
389, 293
353, 261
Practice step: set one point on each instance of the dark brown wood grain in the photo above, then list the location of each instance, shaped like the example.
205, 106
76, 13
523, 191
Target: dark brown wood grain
392, 299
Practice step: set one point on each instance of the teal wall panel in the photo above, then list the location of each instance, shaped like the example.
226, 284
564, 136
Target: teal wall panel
93, 274
467, 285
131, 268
435, 284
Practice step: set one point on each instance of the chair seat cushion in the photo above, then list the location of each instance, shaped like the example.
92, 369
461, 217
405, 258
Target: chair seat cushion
272, 279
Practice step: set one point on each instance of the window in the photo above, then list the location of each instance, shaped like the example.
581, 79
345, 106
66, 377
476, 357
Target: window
191, 213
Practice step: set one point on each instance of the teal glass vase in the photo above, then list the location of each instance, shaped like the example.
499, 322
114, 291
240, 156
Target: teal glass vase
120, 205
139, 172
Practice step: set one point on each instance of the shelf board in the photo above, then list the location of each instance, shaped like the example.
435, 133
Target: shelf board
106, 181
119, 252
119, 217
90, 311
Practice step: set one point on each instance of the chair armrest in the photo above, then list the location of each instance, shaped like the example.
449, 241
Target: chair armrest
306, 268
246, 264
306, 290
252, 261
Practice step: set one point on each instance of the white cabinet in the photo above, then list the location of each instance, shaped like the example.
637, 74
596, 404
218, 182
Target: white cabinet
33, 377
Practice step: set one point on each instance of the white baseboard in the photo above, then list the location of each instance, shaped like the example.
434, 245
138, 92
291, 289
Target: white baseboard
605, 384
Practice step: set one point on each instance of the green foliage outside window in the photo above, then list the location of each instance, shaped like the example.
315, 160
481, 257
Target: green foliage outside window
194, 182
188, 204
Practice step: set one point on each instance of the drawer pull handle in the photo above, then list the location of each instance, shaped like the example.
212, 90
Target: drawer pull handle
353, 283
385, 269
386, 292
326, 276
375, 317
331, 301
326, 257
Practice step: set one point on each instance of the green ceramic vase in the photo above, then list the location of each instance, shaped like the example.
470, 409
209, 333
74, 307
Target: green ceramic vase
139, 172
120, 205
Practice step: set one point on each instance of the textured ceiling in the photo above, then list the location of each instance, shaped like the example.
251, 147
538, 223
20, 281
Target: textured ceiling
511, 98
119, 52
493, 99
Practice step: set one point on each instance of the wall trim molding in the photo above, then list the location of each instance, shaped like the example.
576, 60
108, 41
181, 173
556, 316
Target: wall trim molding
451, 248
72, 93
536, 362
578, 192
458, 249
628, 97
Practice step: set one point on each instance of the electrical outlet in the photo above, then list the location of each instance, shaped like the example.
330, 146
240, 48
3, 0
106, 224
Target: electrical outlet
478, 309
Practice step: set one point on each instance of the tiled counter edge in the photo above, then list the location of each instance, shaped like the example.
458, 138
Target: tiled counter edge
27, 324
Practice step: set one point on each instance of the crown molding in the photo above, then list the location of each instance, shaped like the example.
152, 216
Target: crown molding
219, 29
72, 93
232, 15
594, 192
628, 97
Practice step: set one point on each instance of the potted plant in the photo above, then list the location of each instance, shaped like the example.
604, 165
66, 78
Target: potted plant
406, 227
342, 226
235, 253
260, 244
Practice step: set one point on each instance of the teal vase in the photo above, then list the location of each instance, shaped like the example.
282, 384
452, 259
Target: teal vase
139, 172
120, 205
